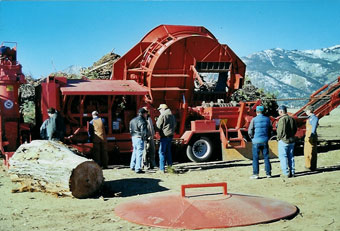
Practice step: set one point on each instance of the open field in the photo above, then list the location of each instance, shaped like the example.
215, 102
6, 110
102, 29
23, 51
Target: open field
316, 194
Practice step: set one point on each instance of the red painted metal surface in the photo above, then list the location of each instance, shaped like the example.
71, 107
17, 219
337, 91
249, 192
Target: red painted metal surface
222, 184
10, 79
103, 87
203, 210
76, 99
205, 125
167, 61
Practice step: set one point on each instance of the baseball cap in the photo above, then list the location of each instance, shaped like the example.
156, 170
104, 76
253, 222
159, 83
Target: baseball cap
260, 108
51, 110
283, 108
142, 111
95, 113
162, 106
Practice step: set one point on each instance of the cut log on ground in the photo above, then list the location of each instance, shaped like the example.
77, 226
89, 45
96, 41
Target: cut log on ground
50, 166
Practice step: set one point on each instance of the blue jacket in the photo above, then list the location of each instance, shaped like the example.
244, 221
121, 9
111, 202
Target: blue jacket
314, 121
260, 129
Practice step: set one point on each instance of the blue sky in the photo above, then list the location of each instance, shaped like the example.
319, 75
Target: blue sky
53, 35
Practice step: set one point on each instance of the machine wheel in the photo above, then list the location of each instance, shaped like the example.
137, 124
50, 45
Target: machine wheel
200, 149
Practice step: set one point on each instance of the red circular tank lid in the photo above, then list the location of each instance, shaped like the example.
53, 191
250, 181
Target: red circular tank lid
212, 210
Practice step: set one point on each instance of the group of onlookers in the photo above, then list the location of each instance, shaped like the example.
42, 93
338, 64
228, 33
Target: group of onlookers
260, 130
142, 132
143, 144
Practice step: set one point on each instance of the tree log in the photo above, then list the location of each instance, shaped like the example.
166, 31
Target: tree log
50, 166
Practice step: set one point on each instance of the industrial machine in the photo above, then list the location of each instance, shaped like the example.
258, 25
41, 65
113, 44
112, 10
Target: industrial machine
12, 128
184, 67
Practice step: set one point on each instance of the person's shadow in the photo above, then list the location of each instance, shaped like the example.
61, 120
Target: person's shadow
131, 187
318, 170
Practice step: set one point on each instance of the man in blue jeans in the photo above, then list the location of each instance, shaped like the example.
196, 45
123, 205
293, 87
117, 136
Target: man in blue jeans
138, 131
166, 124
286, 129
259, 131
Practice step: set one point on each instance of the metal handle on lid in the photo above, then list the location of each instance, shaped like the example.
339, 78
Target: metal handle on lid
222, 184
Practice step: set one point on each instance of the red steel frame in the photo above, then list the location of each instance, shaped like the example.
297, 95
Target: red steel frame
165, 61
64, 94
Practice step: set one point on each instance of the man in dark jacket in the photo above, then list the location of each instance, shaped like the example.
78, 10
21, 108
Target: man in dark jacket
53, 128
138, 131
259, 131
166, 124
286, 129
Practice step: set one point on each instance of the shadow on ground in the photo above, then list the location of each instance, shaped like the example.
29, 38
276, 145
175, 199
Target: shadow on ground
318, 170
308, 173
215, 165
131, 187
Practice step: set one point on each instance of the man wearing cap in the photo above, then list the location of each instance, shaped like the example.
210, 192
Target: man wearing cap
166, 124
286, 129
311, 139
259, 131
138, 131
53, 128
97, 134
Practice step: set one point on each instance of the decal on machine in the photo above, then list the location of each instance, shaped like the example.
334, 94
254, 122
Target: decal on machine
8, 104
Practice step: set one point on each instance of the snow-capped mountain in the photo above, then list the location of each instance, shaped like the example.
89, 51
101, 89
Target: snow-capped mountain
293, 73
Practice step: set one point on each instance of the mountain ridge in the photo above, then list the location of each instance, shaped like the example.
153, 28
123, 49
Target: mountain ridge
293, 73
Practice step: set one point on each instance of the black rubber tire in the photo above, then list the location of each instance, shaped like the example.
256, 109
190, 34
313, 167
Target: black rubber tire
200, 149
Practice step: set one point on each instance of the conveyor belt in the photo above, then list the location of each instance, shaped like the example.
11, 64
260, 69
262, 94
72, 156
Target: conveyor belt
322, 99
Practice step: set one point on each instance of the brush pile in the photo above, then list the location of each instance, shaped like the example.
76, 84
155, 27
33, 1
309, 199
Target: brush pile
251, 93
102, 69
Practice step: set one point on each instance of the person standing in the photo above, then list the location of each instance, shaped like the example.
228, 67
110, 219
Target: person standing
259, 131
286, 129
97, 135
138, 131
166, 124
53, 128
149, 150
311, 140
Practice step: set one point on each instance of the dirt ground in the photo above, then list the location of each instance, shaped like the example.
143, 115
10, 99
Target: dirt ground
316, 194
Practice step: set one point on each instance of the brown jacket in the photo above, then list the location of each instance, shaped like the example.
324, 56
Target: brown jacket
97, 130
166, 124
